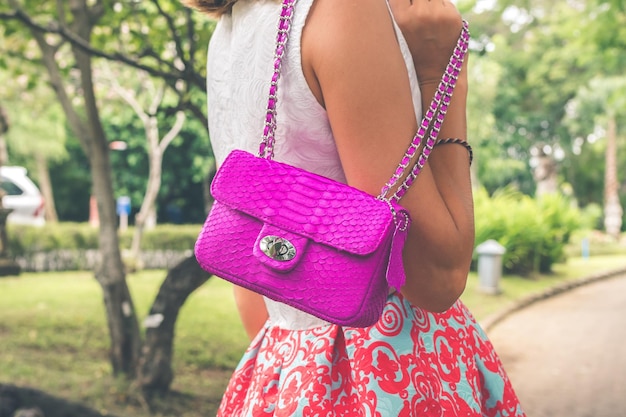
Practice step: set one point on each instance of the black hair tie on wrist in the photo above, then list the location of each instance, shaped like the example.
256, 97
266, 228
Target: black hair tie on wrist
458, 141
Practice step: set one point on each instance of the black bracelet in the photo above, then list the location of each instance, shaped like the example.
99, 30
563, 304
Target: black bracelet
459, 142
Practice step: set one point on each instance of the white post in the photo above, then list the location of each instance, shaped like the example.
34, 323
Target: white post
490, 266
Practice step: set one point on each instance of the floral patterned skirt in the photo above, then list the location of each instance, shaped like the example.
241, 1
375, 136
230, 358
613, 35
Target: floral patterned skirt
410, 363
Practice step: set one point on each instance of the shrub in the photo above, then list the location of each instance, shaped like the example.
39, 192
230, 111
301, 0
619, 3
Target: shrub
534, 232
165, 236
592, 217
24, 240
28, 239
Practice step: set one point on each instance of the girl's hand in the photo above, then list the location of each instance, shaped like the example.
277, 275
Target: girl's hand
431, 29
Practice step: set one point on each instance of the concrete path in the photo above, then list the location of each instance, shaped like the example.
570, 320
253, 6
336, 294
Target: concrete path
566, 355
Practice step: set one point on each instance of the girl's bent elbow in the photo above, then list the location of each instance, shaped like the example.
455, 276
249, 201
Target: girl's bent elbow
451, 295
441, 297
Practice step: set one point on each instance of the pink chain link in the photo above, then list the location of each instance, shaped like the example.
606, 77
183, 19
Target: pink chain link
430, 124
266, 148
437, 111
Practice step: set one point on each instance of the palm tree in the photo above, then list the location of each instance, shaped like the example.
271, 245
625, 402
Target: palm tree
612, 208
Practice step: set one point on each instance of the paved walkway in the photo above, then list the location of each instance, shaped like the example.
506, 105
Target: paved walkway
566, 355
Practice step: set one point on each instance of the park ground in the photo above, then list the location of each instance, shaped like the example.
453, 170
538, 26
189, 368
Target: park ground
54, 338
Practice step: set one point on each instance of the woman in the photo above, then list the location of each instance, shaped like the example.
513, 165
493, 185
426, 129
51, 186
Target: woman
355, 76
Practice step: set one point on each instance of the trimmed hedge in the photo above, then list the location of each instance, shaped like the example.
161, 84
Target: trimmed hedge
535, 232
25, 240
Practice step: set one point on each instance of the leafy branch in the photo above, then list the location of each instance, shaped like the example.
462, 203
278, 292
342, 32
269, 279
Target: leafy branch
171, 76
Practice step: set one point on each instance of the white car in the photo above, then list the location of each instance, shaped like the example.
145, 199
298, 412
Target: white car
22, 196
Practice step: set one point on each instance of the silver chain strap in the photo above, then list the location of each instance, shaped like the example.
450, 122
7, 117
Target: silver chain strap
430, 124
266, 149
437, 111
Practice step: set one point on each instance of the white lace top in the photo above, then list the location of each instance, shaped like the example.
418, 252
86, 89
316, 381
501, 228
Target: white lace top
239, 69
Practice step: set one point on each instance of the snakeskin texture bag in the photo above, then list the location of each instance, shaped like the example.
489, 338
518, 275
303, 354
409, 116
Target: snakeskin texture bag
318, 245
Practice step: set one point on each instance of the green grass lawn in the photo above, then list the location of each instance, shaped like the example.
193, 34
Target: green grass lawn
53, 335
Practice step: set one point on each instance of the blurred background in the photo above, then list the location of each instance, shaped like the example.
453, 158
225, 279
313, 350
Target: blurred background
105, 163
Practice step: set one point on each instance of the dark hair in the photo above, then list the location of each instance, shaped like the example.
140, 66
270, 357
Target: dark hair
214, 7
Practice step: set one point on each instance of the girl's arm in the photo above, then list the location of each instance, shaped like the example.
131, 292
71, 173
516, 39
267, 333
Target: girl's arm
252, 310
354, 66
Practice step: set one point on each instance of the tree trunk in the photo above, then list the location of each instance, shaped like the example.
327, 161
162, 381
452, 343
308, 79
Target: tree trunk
46, 188
123, 327
152, 191
4, 153
4, 122
156, 149
155, 365
544, 173
155, 371
4, 128
612, 207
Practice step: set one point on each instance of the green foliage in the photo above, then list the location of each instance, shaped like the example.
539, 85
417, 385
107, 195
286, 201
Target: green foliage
36, 129
544, 65
29, 239
534, 57
79, 236
159, 37
71, 182
534, 232
586, 172
591, 217
496, 172
187, 167
186, 164
529, 61
166, 237
608, 30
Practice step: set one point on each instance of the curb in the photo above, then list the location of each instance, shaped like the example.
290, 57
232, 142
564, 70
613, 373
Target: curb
524, 302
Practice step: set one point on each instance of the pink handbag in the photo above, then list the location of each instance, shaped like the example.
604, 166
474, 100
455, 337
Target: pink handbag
305, 240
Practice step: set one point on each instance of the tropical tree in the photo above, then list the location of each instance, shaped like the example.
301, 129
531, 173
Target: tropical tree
145, 98
82, 114
4, 128
608, 31
544, 53
4, 121
161, 38
38, 130
596, 113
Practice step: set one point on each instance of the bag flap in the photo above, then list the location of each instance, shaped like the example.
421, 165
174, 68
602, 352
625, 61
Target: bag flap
304, 203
